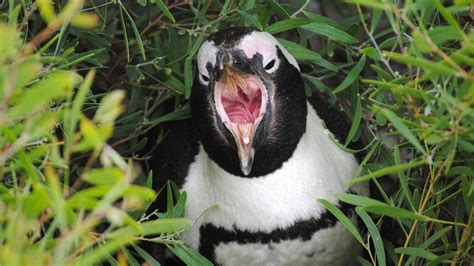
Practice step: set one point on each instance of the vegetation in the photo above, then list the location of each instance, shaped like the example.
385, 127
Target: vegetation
83, 82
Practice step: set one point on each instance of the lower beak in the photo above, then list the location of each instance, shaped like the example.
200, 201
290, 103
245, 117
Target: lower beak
244, 135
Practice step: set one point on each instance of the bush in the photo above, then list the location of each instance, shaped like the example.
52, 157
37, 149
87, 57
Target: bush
82, 85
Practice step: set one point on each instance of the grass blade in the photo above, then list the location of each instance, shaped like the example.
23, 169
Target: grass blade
395, 212
188, 77
164, 9
398, 123
189, 256
357, 200
298, 51
286, 24
343, 219
387, 170
355, 122
351, 77
417, 252
136, 32
125, 35
330, 32
374, 234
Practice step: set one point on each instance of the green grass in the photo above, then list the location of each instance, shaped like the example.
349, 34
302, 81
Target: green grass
81, 83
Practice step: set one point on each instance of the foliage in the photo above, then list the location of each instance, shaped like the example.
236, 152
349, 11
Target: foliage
82, 85
54, 210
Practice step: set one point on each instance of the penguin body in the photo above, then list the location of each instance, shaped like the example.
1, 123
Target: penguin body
255, 158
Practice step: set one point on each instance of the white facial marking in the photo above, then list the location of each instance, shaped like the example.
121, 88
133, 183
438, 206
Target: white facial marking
207, 54
256, 42
265, 44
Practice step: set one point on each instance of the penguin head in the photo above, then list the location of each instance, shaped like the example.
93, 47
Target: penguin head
247, 99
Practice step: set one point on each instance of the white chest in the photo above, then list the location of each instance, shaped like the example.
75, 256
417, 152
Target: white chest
317, 169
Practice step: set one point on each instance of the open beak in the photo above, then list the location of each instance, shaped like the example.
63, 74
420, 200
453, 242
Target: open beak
240, 102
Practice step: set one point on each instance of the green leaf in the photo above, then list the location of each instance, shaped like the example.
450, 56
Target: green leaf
252, 20
38, 201
27, 70
371, 4
169, 201
398, 123
176, 115
164, 9
225, 7
376, 15
395, 212
73, 115
442, 259
44, 124
125, 35
286, 24
374, 234
424, 64
179, 209
135, 31
363, 262
343, 219
140, 191
330, 32
55, 86
355, 122
189, 256
106, 176
97, 254
387, 170
298, 51
351, 77
437, 234
46, 9
326, 64
357, 200
448, 16
110, 107
442, 34
371, 52
188, 77
147, 257
322, 19
417, 252
150, 228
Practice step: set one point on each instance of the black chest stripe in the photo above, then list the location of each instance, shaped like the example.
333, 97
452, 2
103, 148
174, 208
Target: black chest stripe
211, 236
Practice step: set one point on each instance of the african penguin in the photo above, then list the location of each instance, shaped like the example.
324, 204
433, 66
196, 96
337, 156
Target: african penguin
257, 150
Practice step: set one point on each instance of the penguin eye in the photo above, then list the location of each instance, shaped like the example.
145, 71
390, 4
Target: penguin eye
270, 65
204, 78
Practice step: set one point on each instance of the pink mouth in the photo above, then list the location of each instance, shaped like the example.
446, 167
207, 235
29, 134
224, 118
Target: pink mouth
243, 104
244, 108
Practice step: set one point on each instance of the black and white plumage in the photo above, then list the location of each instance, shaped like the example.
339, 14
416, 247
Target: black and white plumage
259, 151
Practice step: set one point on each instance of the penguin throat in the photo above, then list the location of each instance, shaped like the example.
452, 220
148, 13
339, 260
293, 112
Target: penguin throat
242, 101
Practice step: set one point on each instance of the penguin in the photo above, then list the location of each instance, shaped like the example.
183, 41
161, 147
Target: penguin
260, 154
